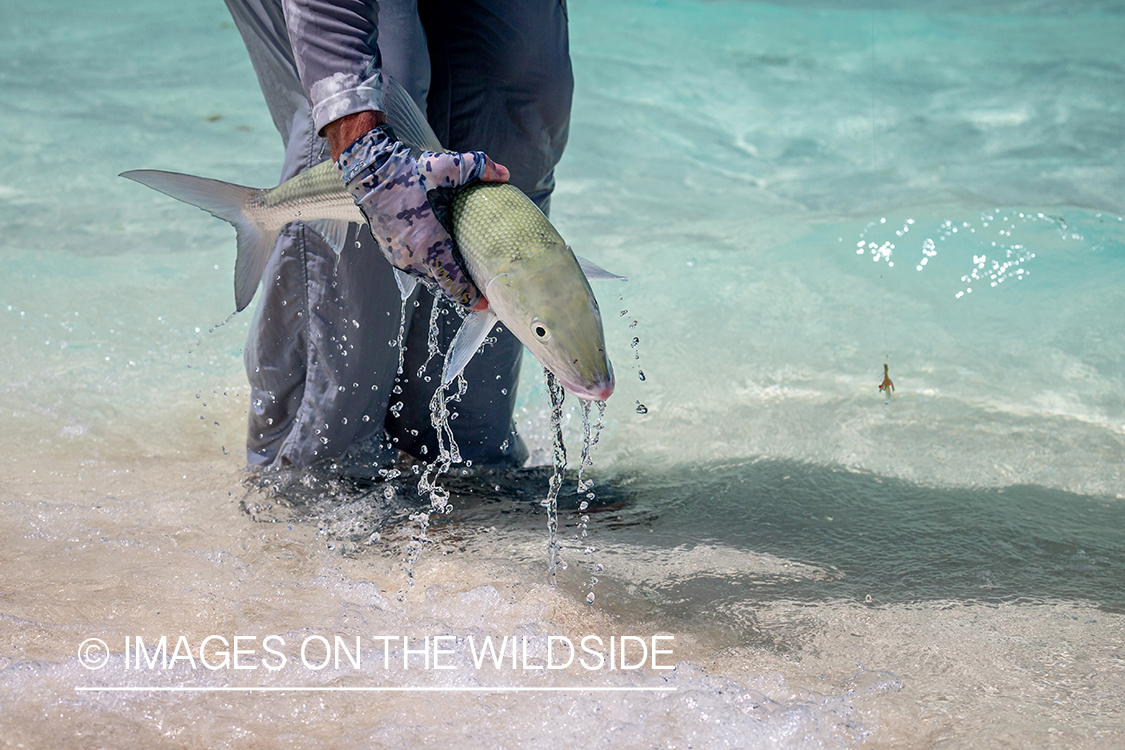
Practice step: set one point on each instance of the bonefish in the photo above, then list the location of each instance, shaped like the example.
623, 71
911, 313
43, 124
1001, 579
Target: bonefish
533, 282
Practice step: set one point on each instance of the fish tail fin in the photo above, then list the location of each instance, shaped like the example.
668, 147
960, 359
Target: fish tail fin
228, 202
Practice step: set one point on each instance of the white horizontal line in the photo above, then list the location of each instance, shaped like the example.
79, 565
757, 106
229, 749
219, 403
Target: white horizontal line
362, 689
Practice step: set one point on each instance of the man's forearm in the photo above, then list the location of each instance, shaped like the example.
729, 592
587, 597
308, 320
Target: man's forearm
344, 132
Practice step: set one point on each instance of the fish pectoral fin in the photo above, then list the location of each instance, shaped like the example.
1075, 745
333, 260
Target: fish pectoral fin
594, 272
406, 283
334, 232
469, 338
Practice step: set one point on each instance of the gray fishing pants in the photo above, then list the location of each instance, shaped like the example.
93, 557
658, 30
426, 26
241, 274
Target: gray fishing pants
322, 355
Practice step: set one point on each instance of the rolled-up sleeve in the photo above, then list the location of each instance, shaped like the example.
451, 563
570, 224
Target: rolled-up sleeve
335, 46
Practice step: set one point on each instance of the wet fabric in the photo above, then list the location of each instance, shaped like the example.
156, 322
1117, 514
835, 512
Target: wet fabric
322, 355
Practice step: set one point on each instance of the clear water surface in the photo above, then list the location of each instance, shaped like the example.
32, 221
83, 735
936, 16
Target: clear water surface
801, 192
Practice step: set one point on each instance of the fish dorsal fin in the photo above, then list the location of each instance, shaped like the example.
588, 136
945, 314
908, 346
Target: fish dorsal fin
406, 282
469, 338
594, 272
406, 120
334, 232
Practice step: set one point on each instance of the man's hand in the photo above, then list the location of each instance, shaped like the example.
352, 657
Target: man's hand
390, 186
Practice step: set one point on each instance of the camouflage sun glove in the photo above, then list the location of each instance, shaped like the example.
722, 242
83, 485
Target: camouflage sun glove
390, 187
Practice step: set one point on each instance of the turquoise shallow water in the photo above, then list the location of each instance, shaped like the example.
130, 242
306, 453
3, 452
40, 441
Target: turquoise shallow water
800, 193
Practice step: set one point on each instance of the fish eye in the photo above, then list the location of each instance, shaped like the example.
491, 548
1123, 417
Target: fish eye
541, 331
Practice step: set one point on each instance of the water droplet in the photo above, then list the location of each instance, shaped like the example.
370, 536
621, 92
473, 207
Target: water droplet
634, 342
590, 598
641, 408
641, 374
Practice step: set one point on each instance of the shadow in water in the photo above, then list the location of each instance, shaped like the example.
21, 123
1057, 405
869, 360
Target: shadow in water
733, 534
890, 539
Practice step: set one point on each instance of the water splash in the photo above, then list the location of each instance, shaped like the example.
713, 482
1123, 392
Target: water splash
432, 347
591, 434
228, 319
551, 502
198, 342
448, 453
401, 342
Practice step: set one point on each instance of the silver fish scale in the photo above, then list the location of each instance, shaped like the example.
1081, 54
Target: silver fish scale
316, 193
496, 224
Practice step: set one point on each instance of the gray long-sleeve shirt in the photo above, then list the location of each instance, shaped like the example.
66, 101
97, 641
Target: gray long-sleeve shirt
334, 44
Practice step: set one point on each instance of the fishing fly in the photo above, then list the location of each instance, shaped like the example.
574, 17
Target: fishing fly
886, 386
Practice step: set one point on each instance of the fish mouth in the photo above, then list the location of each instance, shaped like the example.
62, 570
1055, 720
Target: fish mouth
599, 391
590, 394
